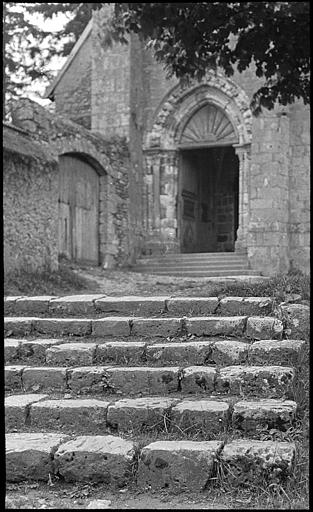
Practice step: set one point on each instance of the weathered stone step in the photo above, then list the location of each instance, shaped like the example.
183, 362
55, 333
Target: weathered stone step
207, 416
208, 256
188, 266
263, 381
252, 327
189, 465
176, 465
59, 352
89, 305
200, 273
107, 459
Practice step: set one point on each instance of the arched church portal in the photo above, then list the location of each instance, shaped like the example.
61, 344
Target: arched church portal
197, 154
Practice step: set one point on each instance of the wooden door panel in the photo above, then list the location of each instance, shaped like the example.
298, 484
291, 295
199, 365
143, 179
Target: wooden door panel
79, 198
64, 231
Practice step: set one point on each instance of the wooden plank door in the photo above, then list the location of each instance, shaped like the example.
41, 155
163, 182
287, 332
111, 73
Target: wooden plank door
188, 203
78, 210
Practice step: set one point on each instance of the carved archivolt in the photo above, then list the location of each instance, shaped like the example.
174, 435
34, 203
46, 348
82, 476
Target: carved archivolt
216, 95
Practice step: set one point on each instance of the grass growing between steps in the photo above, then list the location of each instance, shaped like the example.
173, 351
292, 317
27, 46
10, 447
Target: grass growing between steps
280, 287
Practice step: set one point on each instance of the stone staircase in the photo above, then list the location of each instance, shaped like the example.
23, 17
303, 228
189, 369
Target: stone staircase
160, 392
214, 264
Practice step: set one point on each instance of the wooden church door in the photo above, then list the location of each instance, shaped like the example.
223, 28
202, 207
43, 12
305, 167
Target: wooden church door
78, 210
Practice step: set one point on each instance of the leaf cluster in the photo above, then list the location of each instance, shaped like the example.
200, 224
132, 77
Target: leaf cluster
270, 38
190, 38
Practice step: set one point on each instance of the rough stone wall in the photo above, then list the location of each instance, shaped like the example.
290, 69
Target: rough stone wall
110, 86
30, 195
268, 241
299, 187
73, 92
108, 157
156, 85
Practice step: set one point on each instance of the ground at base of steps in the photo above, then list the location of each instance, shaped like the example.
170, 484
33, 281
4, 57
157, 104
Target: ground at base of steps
81, 496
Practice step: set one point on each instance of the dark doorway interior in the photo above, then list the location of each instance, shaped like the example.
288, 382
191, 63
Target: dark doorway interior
208, 199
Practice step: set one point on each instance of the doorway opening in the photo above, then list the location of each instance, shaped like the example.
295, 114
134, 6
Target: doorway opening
208, 210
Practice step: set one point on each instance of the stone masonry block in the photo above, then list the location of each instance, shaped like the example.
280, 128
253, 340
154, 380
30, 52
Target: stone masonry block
156, 327
140, 413
71, 354
29, 455
228, 352
9, 304
11, 350
88, 379
195, 352
263, 381
19, 326
184, 306
250, 460
264, 328
106, 459
198, 379
128, 352
286, 352
63, 326
75, 304
245, 306
78, 415
131, 306
297, 317
44, 379
177, 465
33, 305
111, 326
35, 350
267, 413
17, 409
145, 380
214, 326
206, 415
13, 377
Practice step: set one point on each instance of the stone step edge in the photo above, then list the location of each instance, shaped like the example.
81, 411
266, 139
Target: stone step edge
63, 375
52, 454
21, 407
99, 303
141, 350
245, 326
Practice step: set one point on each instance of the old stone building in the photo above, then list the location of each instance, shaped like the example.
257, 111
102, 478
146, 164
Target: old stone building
204, 175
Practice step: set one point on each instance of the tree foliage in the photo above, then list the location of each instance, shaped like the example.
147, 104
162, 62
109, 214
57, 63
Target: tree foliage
28, 48
188, 38
22, 60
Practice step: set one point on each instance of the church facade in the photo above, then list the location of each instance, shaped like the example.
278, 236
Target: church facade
205, 175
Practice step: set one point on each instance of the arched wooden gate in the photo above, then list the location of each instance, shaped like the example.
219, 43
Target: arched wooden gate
78, 210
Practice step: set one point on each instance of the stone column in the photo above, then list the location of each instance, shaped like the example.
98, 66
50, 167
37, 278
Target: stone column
244, 155
168, 200
159, 197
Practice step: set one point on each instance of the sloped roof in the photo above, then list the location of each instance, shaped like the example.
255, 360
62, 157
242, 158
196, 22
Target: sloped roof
49, 93
19, 142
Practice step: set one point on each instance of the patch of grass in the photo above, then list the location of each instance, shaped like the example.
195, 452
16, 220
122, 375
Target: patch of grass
278, 287
63, 281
